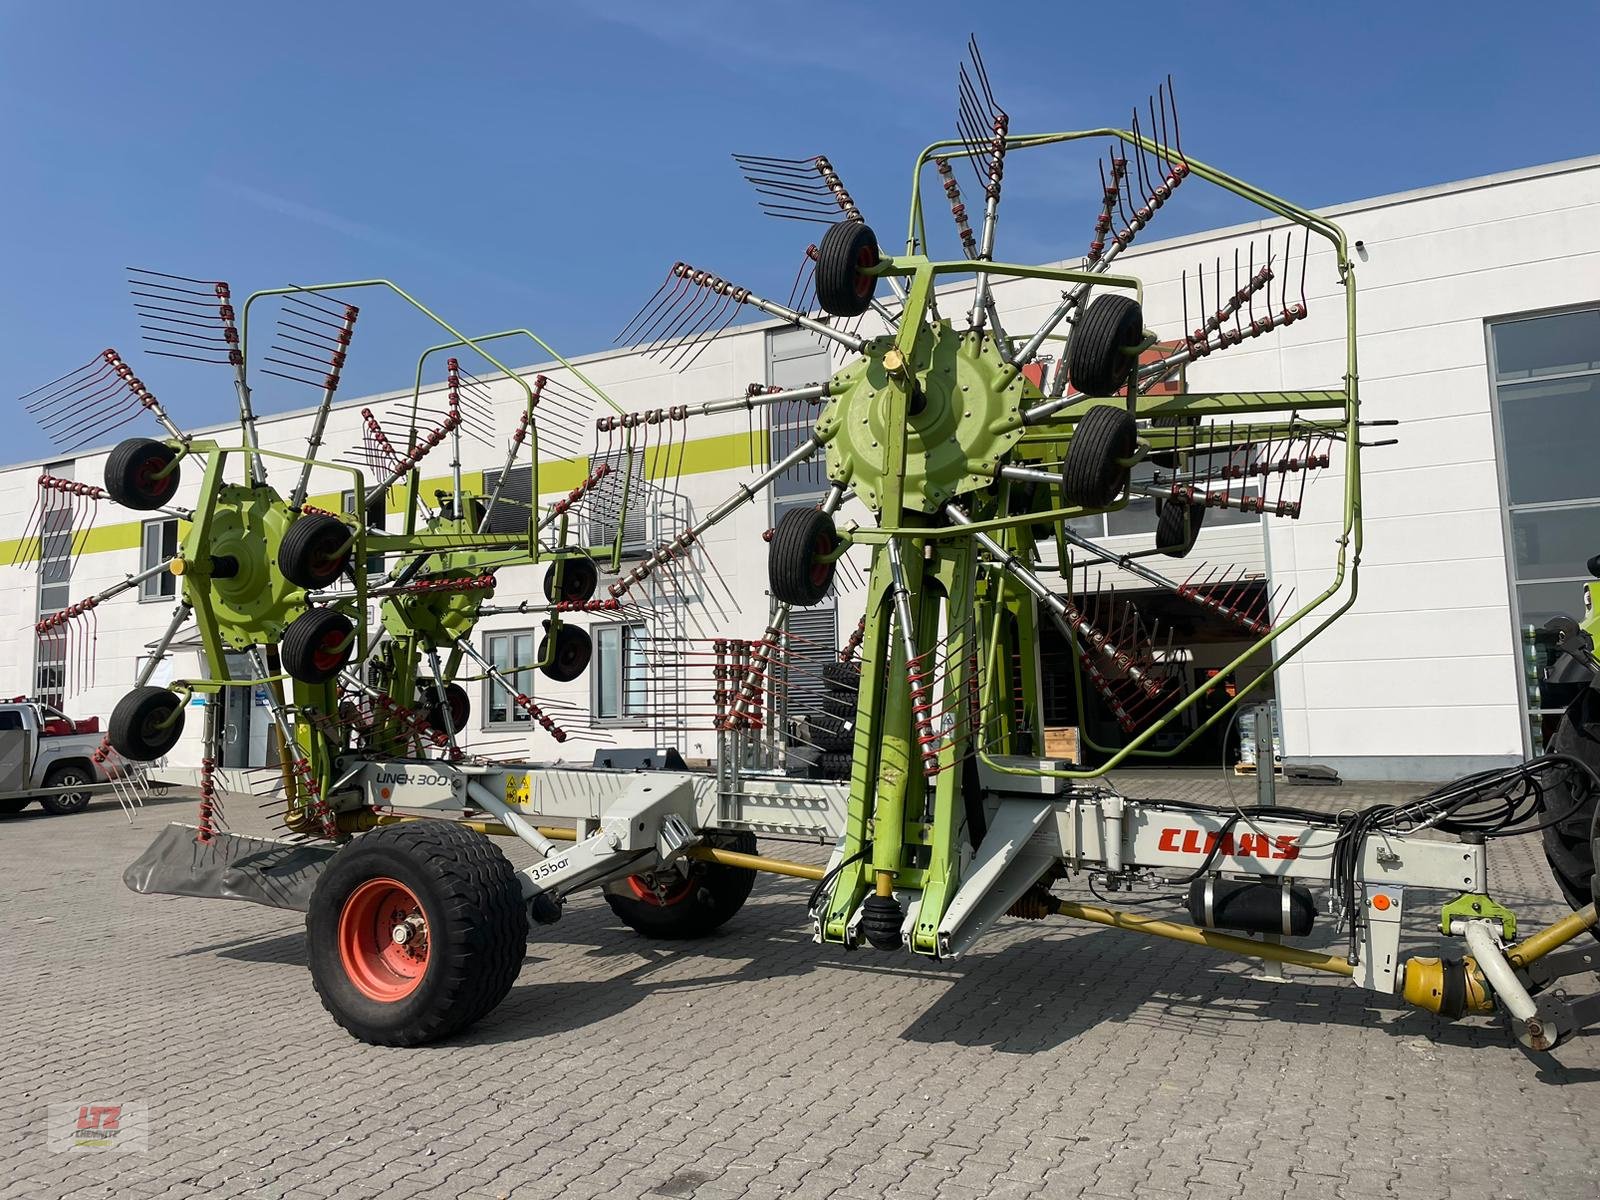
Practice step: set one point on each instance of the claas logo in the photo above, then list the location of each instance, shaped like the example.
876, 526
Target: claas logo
1246, 845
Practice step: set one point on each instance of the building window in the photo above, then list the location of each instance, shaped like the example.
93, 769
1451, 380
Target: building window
158, 544
513, 654
514, 505
347, 503
620, 685
604, 508
55, 582
795, 360
811, 642
1546, 375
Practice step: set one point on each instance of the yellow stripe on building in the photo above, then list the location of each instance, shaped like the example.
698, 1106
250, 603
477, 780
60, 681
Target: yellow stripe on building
700, 456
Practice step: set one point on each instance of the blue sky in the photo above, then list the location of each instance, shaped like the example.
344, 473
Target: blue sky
543, 165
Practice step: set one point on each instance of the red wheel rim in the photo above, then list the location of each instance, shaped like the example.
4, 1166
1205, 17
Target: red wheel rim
639, 885
821, 570
145, 476
381, 965
867, 256
331, 651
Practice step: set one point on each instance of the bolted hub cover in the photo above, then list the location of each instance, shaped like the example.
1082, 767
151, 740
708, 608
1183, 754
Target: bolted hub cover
961, 423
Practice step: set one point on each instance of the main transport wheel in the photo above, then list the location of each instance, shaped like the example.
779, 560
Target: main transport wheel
433, 712
1178, 527
844, 289
1572, 843
1099, 356
573, 650
145, 724
66, 775
1096, 467
415, 931
799, 567
315, 551
317, 645
140, 473
579, 578
667, 904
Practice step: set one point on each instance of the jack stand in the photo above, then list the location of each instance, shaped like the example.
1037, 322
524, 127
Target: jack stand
1268, 970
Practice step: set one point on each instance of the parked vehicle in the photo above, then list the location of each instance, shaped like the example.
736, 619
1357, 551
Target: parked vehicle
43, 755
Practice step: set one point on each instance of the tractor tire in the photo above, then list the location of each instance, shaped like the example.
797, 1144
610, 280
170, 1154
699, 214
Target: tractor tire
1094, 473
830, 733
834, 766
466, 925
432, 711
843, 288
842, 677
317, 645
573, 650
683, 907
66, 803
145, 724
315, 551
133, 473
579, 578
842, 706
798, 571
1178, 527
1098, 356
1572, 843
12, 806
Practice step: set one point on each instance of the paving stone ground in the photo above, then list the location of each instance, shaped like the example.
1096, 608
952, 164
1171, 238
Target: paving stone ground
1056, 1060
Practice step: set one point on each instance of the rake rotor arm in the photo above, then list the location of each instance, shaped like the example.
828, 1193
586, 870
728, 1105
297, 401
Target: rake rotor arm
517, 697
1071, 621
746, 492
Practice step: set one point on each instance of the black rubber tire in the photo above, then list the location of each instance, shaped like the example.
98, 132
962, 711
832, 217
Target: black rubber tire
881, 920
830, 733
842, 677
130, 471
705, 902
10, 807
477, 927
307, 650
1091, 476
794, 573
1573, 842
1178, 527
843, 290
834, 766
574, 649
841, 705
314, 553
66, 775
432, 712
579, 578
134, 728
1098, 362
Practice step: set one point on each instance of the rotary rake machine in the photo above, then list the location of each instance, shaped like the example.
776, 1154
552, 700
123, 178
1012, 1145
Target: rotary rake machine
960, 457
349, 662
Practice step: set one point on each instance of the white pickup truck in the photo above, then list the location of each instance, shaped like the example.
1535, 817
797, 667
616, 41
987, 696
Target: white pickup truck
43, 755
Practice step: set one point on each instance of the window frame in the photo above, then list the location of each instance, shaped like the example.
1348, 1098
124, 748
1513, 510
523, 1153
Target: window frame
158, 589
515, 717
377, 567
598, 670
1531, 714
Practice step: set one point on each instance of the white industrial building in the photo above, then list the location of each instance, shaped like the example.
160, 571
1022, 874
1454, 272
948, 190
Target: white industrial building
1479, 323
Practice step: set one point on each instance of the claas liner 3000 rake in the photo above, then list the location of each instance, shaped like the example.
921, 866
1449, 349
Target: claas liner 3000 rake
967, 452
